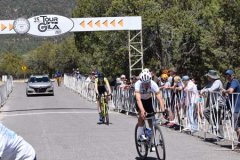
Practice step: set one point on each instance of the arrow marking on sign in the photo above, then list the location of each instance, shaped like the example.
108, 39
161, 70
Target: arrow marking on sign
10, 26
98, 23
105, 23
113, 23
90, 24
121, 22
82, 24
3, 27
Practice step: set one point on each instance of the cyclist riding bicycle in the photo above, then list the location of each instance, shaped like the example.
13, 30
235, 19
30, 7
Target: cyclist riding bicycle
101, 87
143, 92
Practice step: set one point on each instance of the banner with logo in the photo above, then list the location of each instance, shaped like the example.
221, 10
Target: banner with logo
54, 25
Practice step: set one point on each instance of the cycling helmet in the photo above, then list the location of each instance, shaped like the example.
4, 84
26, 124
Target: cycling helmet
145, 70
145, 76
100, 76
164, 76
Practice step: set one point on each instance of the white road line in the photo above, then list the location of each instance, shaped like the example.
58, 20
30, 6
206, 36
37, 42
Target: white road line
44, 113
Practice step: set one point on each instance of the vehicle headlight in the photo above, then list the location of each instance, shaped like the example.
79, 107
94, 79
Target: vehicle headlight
30, 88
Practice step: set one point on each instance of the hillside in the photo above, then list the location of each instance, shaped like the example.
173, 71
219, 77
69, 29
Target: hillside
13, 9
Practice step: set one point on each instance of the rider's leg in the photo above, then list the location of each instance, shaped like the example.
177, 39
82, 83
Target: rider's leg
140, 130
99, 108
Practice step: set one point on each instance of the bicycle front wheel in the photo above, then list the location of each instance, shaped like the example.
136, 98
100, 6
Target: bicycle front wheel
159, 144
142, 147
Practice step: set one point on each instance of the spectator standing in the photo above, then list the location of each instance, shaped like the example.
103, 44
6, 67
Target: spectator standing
58, 76
214, 85
191, 99
233, 91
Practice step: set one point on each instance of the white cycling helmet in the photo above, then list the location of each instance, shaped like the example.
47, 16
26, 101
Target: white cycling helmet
145, 76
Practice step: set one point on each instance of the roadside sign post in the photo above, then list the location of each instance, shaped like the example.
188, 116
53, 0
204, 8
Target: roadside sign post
24, 69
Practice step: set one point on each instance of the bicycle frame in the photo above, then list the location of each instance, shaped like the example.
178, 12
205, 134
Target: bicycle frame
103, 104
104, 108
155, 140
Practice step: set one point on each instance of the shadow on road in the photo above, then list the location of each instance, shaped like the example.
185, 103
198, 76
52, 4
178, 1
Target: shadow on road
148, 158
43, 109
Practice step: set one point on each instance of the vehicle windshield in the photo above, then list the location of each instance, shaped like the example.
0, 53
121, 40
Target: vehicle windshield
38, 79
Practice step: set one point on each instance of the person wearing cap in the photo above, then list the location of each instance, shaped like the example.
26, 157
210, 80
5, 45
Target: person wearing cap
212, 91
191, 99
233, 86
166, 92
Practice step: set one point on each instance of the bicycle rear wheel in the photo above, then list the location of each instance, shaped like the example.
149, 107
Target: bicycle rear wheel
142, 147
159, 144
106, 114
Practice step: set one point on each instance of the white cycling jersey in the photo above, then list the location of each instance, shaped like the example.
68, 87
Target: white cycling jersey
14, 147
146, 93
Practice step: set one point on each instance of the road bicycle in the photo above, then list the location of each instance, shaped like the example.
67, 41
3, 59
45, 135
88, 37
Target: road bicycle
104, 107
155, 140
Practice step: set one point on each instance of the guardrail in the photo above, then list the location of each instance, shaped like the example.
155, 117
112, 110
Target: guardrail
211, 113
5, 89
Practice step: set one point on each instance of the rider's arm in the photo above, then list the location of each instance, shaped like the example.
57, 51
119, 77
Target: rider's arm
139, 102
108, 87
155, 88
96, 86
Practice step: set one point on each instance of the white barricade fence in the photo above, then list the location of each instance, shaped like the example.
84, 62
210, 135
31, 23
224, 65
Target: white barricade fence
211, 113
5, 90
82, 87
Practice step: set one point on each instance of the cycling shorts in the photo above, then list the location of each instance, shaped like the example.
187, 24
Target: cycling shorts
147, 105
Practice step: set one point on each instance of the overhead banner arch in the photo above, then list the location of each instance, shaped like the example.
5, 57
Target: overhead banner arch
55, 25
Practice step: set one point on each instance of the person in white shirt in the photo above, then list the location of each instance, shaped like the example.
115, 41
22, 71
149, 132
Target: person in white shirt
191, 99
144, 88
14, 147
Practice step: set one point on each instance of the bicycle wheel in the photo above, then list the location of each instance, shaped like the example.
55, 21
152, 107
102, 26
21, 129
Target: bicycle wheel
103, 112
159, 144
106, 114
142, 147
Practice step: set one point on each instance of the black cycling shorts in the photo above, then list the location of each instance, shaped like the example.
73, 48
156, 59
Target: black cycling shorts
147, 105
101, 90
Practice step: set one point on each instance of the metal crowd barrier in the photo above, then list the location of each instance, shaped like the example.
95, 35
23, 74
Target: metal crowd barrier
210, 113
83, 88
5, 89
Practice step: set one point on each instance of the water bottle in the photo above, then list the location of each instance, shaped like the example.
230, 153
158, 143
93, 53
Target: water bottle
148, 132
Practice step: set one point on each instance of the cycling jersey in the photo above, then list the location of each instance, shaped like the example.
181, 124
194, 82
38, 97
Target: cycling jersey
13, 146
101, 83
146, 93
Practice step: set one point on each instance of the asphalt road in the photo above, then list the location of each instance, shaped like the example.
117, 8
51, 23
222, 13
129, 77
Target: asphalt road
64, 127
